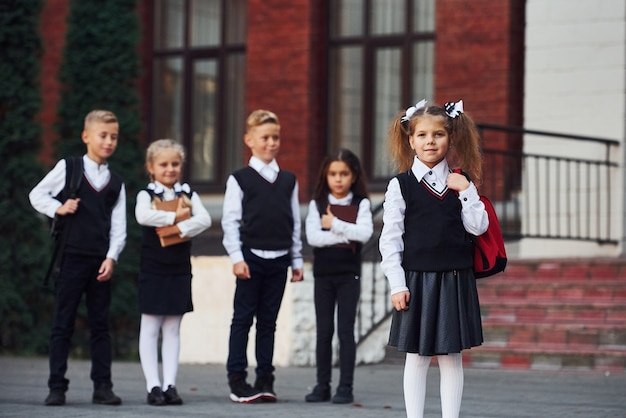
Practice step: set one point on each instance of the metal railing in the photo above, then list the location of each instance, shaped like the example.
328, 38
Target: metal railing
563, 192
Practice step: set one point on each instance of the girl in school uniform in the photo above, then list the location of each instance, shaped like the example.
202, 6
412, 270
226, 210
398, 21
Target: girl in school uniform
426, 252
165, 271
339, 221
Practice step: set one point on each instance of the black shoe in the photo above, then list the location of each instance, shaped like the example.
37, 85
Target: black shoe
103, 395
343, 395
156, 397
56, 397
171, 396
241, 391
265, 385
320, 393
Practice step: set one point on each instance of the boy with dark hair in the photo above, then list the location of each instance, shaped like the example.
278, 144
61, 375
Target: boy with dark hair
96, 235
261, 223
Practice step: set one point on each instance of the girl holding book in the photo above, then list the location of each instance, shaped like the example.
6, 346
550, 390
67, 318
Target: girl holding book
339, 221
170, 214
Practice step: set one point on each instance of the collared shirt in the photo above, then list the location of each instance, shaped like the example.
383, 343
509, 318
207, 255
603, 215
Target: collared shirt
341, 232
98, 175
391, 244
233, 211
146, 215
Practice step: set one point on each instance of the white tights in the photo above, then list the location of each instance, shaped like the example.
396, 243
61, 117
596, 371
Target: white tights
451, 384
170, 347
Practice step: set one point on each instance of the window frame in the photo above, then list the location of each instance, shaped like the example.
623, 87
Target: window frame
222, 52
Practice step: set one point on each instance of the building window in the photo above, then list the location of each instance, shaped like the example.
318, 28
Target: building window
198, 64
381, 61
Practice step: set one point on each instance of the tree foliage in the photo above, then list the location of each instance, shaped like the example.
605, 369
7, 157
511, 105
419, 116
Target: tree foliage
23, 237
100, 70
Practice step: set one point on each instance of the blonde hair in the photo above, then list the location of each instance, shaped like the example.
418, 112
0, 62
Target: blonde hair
464, 149
159, 145
260, 117
98, 115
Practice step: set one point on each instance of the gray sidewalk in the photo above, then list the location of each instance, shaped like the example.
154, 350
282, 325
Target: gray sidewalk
378, 393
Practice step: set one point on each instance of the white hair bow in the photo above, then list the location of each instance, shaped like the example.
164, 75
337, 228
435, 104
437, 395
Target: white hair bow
178, 189
454, 109
156, 188
411, 110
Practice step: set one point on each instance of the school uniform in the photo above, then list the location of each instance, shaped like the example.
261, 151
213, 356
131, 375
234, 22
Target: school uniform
96, 231
165, 272
261, 223
337, 273
426, 250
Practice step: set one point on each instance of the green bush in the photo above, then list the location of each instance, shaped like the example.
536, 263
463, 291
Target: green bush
24, 306
100, 70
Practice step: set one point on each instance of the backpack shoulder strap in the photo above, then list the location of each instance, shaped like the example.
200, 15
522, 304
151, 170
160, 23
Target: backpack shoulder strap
73, 175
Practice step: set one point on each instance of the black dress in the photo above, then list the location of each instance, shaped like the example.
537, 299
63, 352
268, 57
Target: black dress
443, 315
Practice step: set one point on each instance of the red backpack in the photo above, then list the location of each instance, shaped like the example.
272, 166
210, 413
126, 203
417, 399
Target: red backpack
489, 251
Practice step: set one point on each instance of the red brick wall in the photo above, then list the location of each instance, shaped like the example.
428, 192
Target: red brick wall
474, 54
284, 71
479, 57
52, 29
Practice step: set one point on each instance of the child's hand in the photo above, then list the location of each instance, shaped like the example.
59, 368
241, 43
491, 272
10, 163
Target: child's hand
457, 182
297, 275
241, 270
400, 300
167, 231
183, 212
106, 270
327, 219
70, 206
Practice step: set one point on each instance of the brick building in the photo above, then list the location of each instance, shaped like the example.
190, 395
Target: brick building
334, 71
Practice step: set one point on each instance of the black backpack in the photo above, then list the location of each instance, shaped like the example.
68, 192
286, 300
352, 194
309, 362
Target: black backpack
60, 224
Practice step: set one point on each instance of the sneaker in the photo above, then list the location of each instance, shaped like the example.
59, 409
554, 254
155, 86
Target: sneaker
156, 397
343, 395
56, 397
103, 395
265, 385
171, 396
241, 391
320, 393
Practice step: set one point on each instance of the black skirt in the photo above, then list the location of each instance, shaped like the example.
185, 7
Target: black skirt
164, 295
443, 315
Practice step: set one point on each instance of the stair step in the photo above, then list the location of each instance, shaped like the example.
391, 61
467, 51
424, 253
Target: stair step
546, 357
586, 311
572, 290
551, 270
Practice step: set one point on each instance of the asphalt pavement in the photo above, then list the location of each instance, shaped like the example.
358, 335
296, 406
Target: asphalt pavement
378, 393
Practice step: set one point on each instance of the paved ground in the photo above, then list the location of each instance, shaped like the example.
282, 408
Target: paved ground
378, 393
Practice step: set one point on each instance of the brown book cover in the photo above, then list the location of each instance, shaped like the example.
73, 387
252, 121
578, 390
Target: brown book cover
169, 206
347, 214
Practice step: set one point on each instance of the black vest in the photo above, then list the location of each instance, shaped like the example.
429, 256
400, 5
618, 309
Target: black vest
267, 219
434, 236
337, 259
90, 226
171, 261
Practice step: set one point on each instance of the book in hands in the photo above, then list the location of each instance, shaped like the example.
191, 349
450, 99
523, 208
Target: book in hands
169, 206
347, 213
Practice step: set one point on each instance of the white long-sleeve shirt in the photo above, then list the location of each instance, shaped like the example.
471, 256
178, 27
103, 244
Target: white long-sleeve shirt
233, 211
341, 232
146, 215
391, 244
42, 199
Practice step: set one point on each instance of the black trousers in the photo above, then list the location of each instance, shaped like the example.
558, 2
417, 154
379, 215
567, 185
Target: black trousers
77, 277
343, 292
259, 296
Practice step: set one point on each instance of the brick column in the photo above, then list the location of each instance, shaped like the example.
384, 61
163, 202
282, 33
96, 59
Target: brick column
285, 69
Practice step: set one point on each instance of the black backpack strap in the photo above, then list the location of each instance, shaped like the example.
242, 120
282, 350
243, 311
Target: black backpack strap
60, 226
73, 172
